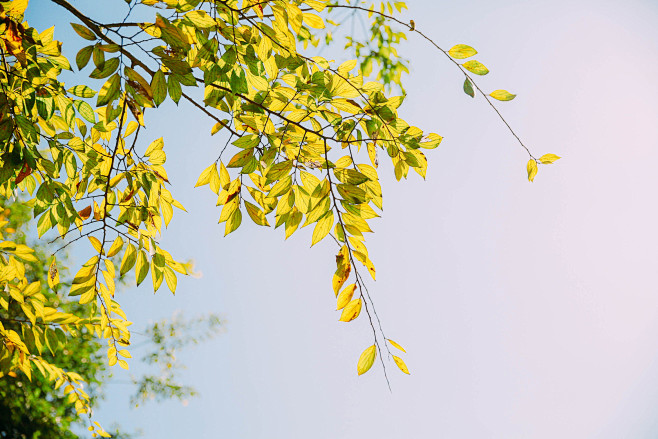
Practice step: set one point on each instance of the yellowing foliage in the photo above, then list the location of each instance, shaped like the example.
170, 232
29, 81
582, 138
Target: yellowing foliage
301, 135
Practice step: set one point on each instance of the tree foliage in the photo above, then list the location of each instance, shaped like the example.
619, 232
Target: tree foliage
304, 137
33, 408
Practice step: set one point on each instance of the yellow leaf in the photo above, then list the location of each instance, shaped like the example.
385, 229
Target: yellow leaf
475, 67
214, 180
115, 247
170, 278
366, 360
224, 176
532, 169
401, 365
343, 268
461, 51
17, 7
395, 345
345, 296
123, 364
548, 158
53, 275
322, 228
256, 214
345, 67
313, 21
204, 178
351, 311
215, 128
125, 353
156, 145
96, 244
87, 296
129, 258
233, 222
132, 126
502, 95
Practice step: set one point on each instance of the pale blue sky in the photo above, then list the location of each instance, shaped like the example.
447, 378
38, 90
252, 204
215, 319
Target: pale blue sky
527, 310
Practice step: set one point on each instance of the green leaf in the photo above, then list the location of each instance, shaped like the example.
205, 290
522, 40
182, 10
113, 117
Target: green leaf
173, 86
366, 360
461, 51
142, 267
109, 67
129, 258
109, 91
475, 67
248, 141
159, 87
256, 214
233, 222
468, 88
83, 56
502, 95
200, 19
84, 32
85, 110
82, 91
351, 193
322, 228
350, 176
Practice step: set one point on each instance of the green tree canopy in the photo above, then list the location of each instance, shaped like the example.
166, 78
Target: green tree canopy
303, 140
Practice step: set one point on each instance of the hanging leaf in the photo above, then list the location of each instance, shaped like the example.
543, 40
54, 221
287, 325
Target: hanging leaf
53, 274
401, 365
351, 311
96, 244
322, 228
345, 296
366, 360
468, 88
532, 169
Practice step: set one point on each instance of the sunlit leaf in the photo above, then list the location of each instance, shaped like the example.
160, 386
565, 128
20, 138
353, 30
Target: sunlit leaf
96, 244
322, 228
84, 32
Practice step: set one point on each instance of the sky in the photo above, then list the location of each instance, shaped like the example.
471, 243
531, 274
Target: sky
528, 310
